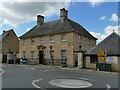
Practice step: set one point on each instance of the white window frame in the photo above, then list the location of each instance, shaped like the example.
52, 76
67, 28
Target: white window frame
42, 40
63, 55
32, 40
63, 37
24, 54
32, 55
79, 37
52, 54
85, 39
88, 40
24, 41
52, 38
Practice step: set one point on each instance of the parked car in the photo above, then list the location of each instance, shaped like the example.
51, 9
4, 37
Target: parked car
23, 61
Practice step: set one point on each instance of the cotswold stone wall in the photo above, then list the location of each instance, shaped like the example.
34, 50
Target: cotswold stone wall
10, 42
88, 64
58, 45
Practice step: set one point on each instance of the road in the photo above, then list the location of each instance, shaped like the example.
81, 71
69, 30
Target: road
35, 76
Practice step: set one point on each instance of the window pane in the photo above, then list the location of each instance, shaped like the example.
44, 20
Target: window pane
52, 53
93, 59
32, 40
88, 40
84, 39
32, 55
24, 54
51, 56
51, 38
41, 39
79, 38
63, 54
63, 37
24, 41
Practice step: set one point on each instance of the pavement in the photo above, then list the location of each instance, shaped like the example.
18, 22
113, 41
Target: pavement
48, 76
65, 68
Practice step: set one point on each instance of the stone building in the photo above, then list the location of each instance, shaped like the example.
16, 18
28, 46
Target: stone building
9, 43
112, 53
55, 41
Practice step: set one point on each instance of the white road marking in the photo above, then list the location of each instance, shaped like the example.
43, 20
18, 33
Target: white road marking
32, 68
35, 85
44, 70
108, 87
2, 71
87, 79
70, 83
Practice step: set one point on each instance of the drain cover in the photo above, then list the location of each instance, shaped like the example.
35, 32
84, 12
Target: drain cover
70, 83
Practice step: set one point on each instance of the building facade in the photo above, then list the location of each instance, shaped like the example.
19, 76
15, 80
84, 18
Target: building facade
55, 42
110, 46
9, 43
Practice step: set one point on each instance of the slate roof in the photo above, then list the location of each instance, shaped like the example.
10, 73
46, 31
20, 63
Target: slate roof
56, 27
110, 44
4, 34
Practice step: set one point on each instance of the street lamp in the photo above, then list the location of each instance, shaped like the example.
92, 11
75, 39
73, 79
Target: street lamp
51, 55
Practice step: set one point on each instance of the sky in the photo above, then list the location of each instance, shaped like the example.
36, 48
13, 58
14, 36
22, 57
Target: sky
99, 17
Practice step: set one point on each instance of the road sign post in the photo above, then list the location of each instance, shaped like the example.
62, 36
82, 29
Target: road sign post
101, 58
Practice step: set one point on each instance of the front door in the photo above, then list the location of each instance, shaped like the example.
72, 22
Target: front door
41, 57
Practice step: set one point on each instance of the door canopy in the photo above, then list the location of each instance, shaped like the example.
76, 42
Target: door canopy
41, 47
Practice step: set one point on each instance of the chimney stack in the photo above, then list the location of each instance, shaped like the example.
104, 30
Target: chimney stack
63, 14
3, 31
40, 20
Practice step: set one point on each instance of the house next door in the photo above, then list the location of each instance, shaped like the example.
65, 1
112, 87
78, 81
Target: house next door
41, 57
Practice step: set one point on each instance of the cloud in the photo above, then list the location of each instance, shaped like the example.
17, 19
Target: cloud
110, 29
103, 18
18, 12
107, 31
98, 35
114, 17
95, 2
1, 25
15, 12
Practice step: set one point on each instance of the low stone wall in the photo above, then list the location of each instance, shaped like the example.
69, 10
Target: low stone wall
114, 67
88, 65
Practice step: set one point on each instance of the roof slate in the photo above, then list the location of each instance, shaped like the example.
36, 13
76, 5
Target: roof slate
56, 27
110, 44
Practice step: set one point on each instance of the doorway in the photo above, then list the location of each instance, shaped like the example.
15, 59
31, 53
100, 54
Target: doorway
4, 59
41, 57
